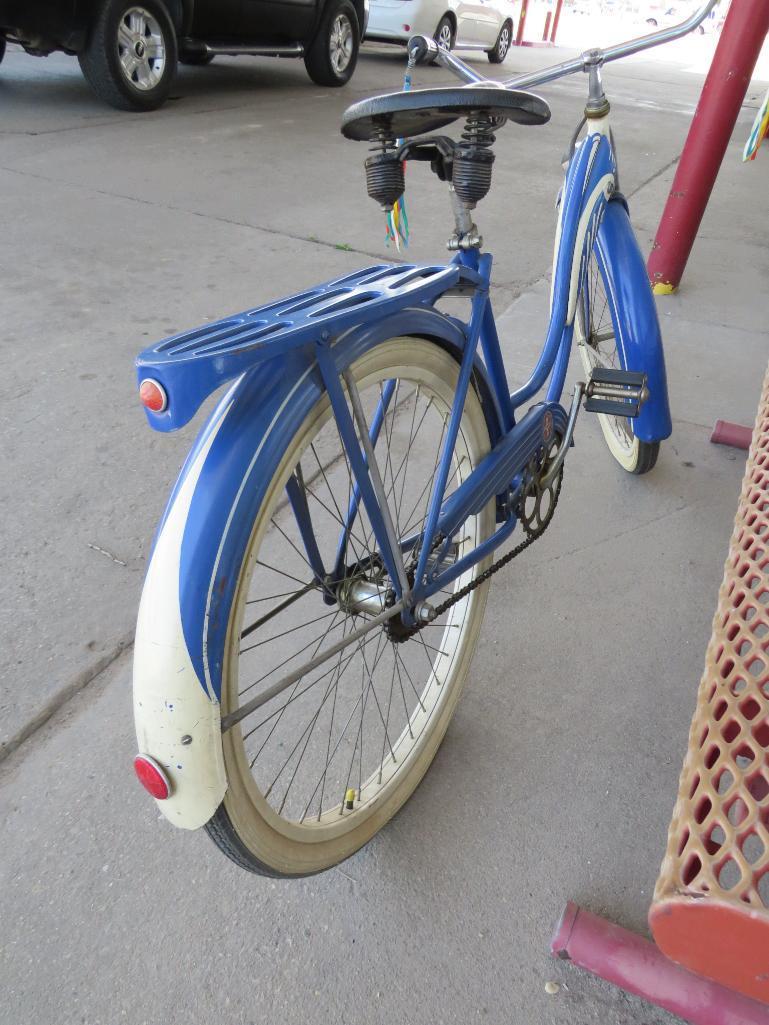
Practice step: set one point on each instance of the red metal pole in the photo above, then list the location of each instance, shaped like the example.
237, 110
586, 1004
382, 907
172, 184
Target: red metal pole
556, 19
637, 966
742, 37
521, 23
546, 33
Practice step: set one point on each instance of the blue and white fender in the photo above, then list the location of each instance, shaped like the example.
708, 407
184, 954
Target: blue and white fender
201, 542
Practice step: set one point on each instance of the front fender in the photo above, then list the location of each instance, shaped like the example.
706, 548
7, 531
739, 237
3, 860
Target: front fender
193, 572
634, 317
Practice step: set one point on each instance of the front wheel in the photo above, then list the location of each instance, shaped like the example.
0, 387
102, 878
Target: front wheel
331, 59
502, 45
595, 331
319, 768
131, 56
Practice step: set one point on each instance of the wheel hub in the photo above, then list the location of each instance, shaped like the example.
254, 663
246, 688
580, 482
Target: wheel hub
341, 43
141, 48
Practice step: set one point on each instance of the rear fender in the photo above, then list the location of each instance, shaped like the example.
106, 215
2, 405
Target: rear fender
193, 572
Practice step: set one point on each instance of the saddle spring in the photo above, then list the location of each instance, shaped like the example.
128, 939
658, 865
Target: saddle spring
473, 158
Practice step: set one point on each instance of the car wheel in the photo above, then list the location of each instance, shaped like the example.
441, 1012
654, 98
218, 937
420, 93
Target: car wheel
652, 22
331, 59
196, 60
502, 45
2, 48
131, 55
444, 34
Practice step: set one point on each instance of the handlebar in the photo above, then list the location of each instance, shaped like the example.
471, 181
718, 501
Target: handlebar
422, 48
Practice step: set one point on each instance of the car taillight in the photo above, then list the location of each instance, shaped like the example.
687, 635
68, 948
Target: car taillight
152, 777
153, 395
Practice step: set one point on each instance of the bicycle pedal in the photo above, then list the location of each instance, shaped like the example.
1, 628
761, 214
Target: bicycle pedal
616, 392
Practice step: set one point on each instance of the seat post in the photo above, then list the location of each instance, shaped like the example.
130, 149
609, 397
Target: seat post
471, 176
466, 235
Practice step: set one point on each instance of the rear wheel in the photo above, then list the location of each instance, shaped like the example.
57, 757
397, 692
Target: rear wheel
331, 59
315, 772
131, 56
502, 45
595, 331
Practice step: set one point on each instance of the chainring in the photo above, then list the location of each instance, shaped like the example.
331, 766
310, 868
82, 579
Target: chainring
537, 503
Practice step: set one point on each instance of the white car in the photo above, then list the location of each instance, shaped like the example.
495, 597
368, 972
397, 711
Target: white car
462, 24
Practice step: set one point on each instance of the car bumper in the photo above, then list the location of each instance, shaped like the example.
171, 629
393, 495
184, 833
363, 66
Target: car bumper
398, 20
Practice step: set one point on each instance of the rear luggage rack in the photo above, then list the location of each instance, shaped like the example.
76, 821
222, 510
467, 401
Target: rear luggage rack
190, 365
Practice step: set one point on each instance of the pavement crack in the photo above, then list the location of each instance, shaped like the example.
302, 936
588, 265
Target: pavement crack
109, 555
311, 239
62, 696
655, 176
116, 122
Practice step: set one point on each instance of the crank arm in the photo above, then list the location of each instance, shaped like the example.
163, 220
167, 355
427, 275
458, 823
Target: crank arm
563, 448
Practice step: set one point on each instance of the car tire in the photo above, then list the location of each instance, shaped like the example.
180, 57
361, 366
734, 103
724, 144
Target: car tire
502, 45
2, 48
131, 56
196, 60
445, 35
333, 54
652, 22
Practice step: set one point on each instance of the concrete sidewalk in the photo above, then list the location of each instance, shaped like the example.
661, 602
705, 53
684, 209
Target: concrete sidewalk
558, 774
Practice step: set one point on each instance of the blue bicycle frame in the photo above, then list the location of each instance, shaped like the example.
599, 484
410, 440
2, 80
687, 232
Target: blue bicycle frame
326, 327
282, 359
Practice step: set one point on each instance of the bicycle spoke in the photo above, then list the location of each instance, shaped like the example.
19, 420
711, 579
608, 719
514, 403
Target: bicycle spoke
295, 596
285, 633
282, 572
291, 698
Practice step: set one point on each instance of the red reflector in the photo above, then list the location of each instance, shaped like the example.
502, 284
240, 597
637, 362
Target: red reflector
407, 28
152, 777
153, 395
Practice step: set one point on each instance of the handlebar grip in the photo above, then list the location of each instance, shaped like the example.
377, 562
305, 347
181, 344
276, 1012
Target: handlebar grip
422, 49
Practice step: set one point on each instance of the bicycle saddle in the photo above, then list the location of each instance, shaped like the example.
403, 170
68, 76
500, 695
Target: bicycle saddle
410, 113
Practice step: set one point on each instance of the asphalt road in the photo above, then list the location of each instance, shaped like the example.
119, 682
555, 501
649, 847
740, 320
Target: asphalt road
557, 777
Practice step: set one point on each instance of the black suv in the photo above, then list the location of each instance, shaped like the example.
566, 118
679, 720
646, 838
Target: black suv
129, 49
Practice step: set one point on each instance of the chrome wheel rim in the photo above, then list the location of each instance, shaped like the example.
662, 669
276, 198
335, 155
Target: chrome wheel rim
444, 37
341, 44
141, 49
504, 42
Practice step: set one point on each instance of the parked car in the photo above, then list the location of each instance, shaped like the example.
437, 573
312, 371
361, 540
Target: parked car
665, 14
129, 49
465, 24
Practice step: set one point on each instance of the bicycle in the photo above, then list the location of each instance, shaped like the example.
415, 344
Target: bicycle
317, 583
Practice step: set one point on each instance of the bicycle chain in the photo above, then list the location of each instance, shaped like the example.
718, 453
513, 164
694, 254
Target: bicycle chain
532, 536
